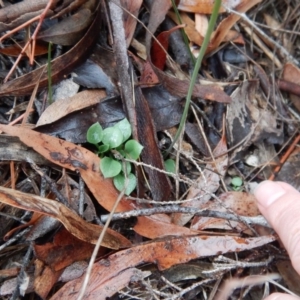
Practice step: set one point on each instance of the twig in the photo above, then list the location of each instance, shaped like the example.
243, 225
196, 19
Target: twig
258, 220
13, 239
277, 45
32, 39
97, 246
285, 157
22, 277
192, 287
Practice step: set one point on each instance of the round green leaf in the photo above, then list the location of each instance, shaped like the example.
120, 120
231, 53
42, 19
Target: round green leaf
112, 136
119, 182
133, 149
102, 149
125, 128
170, 165
94, 134
237, 181
109, 167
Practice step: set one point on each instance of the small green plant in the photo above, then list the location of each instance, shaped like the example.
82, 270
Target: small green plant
113, 145
236, 183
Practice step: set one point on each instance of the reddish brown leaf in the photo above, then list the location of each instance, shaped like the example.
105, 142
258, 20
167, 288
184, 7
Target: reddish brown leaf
165, 253
160, 46
67, 249
158, 226
44, 278
41, 48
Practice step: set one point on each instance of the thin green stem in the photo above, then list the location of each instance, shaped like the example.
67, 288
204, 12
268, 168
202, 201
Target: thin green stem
49, 74
204, 46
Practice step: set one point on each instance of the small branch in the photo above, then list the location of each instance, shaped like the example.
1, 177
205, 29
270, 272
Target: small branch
258, 220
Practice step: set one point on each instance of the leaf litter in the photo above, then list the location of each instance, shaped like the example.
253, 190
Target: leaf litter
240, 126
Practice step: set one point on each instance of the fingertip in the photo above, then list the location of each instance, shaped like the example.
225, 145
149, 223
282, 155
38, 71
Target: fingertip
280, 205
267, 192
280, 296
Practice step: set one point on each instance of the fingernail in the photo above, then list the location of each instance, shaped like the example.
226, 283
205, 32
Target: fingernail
267, 192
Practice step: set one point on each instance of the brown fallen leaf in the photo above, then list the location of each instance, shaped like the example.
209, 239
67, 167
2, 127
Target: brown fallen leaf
70, 250
72, 222
63, 107
68, 31
243, 204
41, 48
190, 30
25, 84
165, 253
44, 278
72, 157
158, 226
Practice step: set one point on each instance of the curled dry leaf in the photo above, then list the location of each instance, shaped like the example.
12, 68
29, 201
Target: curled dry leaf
72, 222
165, 253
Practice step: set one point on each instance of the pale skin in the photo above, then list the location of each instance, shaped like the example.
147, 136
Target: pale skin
280, 204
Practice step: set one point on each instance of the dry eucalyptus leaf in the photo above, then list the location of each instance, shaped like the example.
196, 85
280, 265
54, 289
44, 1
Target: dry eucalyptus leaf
63, 107
73, 223
68, 31
165, 253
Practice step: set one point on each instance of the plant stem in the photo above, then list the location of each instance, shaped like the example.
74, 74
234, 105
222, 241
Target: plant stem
49, 74
203, 49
